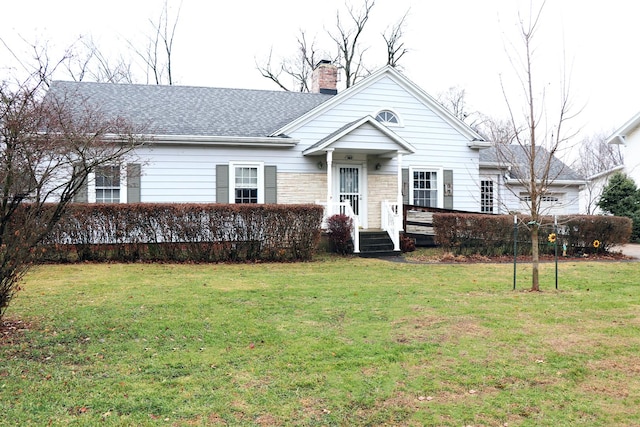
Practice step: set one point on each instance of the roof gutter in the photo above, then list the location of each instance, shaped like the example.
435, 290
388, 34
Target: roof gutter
478, 144
208, 140
556, 182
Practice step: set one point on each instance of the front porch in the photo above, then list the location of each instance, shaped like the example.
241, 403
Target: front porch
370, 242
363, 165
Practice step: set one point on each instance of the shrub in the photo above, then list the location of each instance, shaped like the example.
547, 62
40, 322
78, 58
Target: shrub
185, 233
407, 244
493, 234
339, 229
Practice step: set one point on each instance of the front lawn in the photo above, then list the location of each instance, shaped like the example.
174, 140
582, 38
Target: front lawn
332, 342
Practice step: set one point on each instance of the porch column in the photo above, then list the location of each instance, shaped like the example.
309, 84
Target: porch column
329, 181
399, 184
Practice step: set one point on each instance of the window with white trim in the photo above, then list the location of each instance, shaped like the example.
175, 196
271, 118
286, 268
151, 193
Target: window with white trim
553, 198
486, 196
388, 117
107, 184
424, 188
246, 183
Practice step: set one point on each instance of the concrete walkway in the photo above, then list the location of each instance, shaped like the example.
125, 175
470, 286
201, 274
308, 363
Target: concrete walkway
630, 249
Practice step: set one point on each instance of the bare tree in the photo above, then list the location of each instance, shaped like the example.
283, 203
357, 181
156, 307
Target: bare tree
48, 146
454, 100
498, 131
298, 69
596, 156
88, 62
348, 55
39, 65
350, 52
159, 50
395, 44
539, 140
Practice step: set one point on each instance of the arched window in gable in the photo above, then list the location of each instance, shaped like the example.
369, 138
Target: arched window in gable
388, 117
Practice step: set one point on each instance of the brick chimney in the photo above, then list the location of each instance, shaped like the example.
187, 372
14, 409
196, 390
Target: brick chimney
325, 78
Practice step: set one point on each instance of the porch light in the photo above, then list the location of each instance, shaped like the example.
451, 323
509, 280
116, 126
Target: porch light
320, 165
378, 166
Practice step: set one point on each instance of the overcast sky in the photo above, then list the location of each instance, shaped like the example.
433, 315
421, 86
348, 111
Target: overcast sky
460, 43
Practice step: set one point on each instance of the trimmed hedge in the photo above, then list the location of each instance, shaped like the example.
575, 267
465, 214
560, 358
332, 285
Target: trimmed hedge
492, 235
185, 233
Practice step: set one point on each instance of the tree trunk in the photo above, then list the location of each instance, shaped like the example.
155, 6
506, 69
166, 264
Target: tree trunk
535, 260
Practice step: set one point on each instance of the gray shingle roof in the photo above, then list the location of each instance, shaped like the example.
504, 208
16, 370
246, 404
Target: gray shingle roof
516, 157
200, 111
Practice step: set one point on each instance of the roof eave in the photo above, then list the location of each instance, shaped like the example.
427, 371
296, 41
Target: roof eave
619, 135
406, 147
214, 140
476, 144
605, 173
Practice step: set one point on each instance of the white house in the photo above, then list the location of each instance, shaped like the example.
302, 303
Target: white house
503, 172
366, 151
628, 135
591, 192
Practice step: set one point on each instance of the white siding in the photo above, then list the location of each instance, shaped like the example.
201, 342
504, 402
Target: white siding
174, 173
438, 144
567, 204
631, 152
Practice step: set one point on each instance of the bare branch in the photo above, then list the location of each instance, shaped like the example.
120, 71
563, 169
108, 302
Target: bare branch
90, 63
268, 72
158, 65
347, 41
393, 40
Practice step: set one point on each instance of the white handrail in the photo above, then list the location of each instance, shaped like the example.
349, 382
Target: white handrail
391, 222
344, 208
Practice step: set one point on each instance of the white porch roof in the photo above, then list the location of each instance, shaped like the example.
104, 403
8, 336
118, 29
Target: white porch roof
365, 135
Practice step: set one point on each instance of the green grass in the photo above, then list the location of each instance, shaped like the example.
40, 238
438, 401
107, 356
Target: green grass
331, 342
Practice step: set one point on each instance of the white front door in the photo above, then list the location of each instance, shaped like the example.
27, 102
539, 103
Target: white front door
349, 188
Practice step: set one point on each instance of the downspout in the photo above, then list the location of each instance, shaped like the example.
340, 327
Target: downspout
400, 207
329, 182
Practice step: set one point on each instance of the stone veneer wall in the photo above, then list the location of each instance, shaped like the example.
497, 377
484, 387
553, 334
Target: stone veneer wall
301, 187
307, 188
381, 187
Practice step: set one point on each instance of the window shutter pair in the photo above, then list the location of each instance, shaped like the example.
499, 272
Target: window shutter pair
270, 184
447, 187
133, 186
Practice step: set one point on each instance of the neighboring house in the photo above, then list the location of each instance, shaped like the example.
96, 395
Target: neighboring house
628, 135
591, 192
503, 170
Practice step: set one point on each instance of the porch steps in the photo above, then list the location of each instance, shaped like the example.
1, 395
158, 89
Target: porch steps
376, 244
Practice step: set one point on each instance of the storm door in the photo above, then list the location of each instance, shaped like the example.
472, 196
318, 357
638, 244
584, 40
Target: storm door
350, 187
